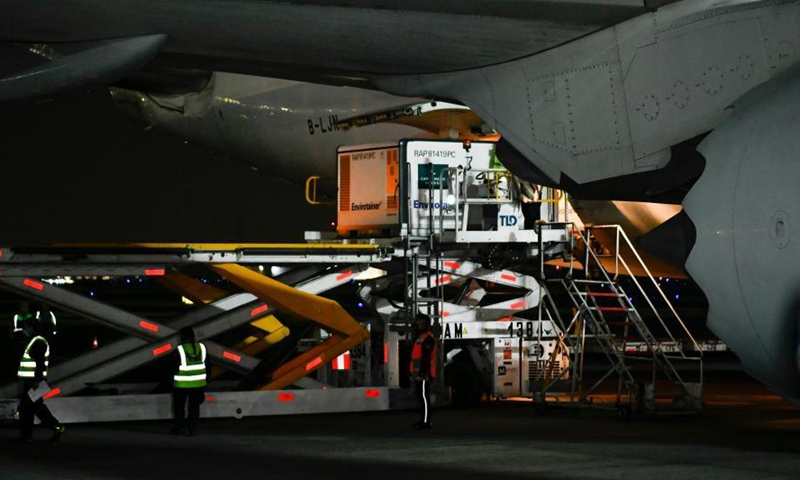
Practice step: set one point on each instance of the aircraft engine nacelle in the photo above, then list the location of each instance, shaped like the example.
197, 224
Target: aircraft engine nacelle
746, 209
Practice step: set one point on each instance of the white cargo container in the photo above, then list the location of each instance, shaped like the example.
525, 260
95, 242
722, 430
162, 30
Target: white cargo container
384, 186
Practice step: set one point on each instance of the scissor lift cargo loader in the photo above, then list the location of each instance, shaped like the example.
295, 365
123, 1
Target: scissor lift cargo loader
446, 215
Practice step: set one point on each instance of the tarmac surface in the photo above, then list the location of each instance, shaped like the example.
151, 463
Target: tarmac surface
744, 433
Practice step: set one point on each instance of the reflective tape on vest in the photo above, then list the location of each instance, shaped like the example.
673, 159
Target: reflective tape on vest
19, 321
192, 370
27, 365
190, 378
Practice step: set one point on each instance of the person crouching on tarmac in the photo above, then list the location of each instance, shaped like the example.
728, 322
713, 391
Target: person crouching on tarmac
423, 367
189, 383
32, 371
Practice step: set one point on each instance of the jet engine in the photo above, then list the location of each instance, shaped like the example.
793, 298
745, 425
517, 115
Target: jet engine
746, 210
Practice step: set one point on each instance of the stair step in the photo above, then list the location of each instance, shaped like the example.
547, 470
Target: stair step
602, 294
611, 309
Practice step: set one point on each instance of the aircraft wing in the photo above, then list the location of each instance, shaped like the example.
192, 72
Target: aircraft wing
344, 42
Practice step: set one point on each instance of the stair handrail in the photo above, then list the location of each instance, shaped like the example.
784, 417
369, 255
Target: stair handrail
620, 233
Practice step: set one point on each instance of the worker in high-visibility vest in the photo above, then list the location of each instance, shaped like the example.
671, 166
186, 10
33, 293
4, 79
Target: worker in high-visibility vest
48, 318
423, 367
32, 371
22, 316
189, 383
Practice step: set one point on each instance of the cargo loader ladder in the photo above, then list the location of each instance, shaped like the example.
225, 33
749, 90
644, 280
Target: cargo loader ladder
605, 320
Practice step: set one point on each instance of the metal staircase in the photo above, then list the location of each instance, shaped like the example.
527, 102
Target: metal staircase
649, 368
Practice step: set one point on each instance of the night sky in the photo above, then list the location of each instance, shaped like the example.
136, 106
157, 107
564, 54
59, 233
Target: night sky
75, 170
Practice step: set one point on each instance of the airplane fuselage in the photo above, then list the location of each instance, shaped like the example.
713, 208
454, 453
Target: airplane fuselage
281, 127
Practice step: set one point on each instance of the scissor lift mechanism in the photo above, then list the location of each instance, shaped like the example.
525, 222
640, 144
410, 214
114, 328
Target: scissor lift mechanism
21, 271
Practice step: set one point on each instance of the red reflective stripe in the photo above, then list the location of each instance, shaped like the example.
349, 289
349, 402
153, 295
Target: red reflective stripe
344, 275
342, 362
35, 285
313, 364
612, 309
510, 278
1, 254
154, 272
286, 397
385, 352
373, 393
52, 393
148, 326
444, 279
505, 319
162, 349
453, 265
259, 310
600, 294
517, 306
210, 398
445, 314
232, 356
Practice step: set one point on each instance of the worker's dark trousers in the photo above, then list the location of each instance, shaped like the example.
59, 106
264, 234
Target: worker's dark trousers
27, 410
531, 212
424, 398
196, 396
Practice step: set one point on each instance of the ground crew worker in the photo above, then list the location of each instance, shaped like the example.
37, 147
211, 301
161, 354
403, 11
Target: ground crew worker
22, 316
529, 196
188, 383
423, 367
32, 371
46, 316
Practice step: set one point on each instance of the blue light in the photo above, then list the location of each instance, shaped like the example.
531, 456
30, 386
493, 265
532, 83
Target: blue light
667, 280
127, 280
91, 294
677, 297
360, 305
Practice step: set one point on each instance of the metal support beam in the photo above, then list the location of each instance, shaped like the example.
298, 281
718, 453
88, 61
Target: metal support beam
78, 255
116, 408
347, 332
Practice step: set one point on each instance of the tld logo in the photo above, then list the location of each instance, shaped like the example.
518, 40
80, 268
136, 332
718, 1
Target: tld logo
508, 220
